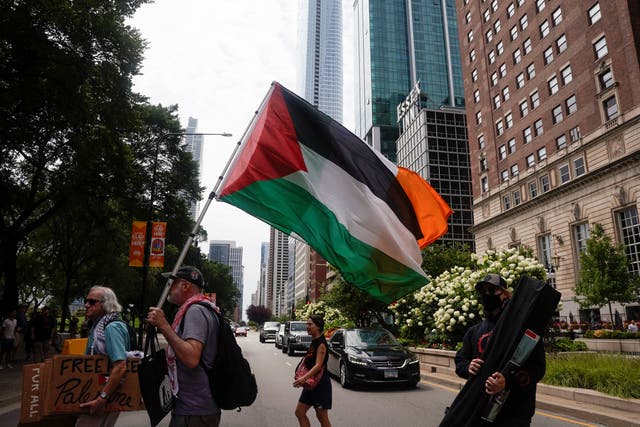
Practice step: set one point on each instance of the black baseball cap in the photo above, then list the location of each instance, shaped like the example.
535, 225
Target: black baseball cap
493, 280
188, 273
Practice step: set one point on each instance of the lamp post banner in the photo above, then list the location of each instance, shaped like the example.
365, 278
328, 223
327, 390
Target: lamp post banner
136, 248
158, 234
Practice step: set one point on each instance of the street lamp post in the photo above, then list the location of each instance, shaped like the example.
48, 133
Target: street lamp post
145, 263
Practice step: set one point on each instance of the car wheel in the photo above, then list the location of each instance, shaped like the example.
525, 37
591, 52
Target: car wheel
290, 351
344, 378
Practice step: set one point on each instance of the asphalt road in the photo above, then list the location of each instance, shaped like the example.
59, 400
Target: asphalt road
362, 407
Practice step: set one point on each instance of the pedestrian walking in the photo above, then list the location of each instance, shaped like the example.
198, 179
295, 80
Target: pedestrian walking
7, 347
520, 405
22, 327
43, 326
320, 398
192, 339
108, 336
632, 326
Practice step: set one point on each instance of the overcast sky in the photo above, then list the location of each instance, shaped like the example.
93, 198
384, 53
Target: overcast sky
216, 59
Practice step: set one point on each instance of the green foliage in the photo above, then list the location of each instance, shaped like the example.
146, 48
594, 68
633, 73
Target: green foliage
604, 275
611, 374
333, 318
565, 344
607, 334
440, 257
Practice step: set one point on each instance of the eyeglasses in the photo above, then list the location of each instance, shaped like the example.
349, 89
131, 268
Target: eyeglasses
91, 301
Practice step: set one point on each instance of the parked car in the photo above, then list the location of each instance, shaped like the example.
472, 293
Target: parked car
371, 355
280, 336
241, 331
268, 331
295, 337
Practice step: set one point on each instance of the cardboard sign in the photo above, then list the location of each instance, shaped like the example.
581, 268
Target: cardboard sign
62, 383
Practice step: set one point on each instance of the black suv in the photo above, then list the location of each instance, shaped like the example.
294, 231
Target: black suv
295, 337
268, 331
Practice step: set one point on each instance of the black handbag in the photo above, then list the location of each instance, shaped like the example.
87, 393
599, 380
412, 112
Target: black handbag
154, 380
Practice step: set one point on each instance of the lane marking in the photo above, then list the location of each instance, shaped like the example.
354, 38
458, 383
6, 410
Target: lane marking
288, 363
541, 413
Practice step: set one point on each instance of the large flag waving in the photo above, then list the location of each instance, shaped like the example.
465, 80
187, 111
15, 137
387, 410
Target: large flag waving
305, 174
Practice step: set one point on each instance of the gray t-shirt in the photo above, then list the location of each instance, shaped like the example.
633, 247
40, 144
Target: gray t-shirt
194, 394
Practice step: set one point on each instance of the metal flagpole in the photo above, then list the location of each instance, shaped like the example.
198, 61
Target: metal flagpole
212, 196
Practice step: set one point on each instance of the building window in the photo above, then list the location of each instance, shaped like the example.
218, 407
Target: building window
544, 249
467, 17
544, 29
499, 127
508, 120
629, 232
506, 200
610, 107
514, 32
557, 17
494, 5
497, 27
580, 235
481, 142
479, 117
514, 170
527, 45
485, 184
504, 175
520, 80
524, 22
571, 105
517, 56
600, 47
486, 14
470, 36
520, 2
489, 35
575, 133
537, 127
524, 108
492, 56
494, 79
526, 134
512, 145
567, 76
500, 48
533, 189
503, 70
594, 14
496, 102
561, 141
474, 75
542, 153
540, 5
483, 164
516, 198
565, 174
544, 183
556, 114
511, 10
535, 100
503, 152
578, 166
606, 79
531, 160
472, 55
553, 85
548, 55
476, 96
561, 44
505, 93
531, 71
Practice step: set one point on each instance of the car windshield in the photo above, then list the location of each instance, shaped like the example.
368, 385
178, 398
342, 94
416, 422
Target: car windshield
298, 327
369, 338
271, 325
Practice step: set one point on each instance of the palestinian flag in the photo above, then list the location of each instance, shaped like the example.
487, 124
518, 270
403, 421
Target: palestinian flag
306, 175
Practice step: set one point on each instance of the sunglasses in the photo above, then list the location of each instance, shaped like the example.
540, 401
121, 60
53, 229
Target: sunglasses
91, 301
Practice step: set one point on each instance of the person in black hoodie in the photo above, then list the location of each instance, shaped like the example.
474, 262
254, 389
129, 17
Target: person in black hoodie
520, 406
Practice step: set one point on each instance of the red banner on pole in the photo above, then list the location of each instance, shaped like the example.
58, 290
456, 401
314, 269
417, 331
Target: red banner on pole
136, 248
158, 234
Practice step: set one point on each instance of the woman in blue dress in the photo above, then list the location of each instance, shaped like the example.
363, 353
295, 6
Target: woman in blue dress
315, 361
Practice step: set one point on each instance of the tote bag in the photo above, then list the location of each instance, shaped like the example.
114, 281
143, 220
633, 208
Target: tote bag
154, 380
311, 382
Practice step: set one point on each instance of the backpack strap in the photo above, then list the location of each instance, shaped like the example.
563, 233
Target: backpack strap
216, 318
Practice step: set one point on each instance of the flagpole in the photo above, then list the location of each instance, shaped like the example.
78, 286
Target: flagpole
212, 195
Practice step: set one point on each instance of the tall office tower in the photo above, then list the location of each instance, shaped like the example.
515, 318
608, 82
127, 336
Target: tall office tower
291, 283
194, 146
320, 81
225, 252
410, 98
554, 125
277, 272
262, 283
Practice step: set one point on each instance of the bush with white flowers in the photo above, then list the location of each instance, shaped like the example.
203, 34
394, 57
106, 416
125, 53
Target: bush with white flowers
449, 304
333, 318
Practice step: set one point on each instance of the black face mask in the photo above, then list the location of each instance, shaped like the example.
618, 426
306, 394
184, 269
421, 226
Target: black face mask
491, 302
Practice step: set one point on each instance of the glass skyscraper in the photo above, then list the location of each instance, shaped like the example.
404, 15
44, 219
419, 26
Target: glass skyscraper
193, 145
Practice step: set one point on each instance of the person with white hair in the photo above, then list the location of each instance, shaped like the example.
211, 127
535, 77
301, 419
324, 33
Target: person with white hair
109, 336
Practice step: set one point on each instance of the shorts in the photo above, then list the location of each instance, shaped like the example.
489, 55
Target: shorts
8, 344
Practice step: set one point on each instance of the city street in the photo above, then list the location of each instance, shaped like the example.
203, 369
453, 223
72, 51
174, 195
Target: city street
377, 407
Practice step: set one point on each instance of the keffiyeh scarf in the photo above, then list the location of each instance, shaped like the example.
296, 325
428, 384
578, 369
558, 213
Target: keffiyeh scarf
99, 343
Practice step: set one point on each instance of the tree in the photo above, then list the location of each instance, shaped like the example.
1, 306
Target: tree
440, 257
66, 101
604, 273
258, 314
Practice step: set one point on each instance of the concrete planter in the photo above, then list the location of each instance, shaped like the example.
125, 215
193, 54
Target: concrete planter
435, 361
612, 345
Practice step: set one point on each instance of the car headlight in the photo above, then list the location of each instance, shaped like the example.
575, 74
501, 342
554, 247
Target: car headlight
357, 361
413, 359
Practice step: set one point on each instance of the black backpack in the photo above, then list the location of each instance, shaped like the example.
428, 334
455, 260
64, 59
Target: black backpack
133, 342
231, 381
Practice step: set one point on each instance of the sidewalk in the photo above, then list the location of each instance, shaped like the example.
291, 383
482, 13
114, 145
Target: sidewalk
586, 404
